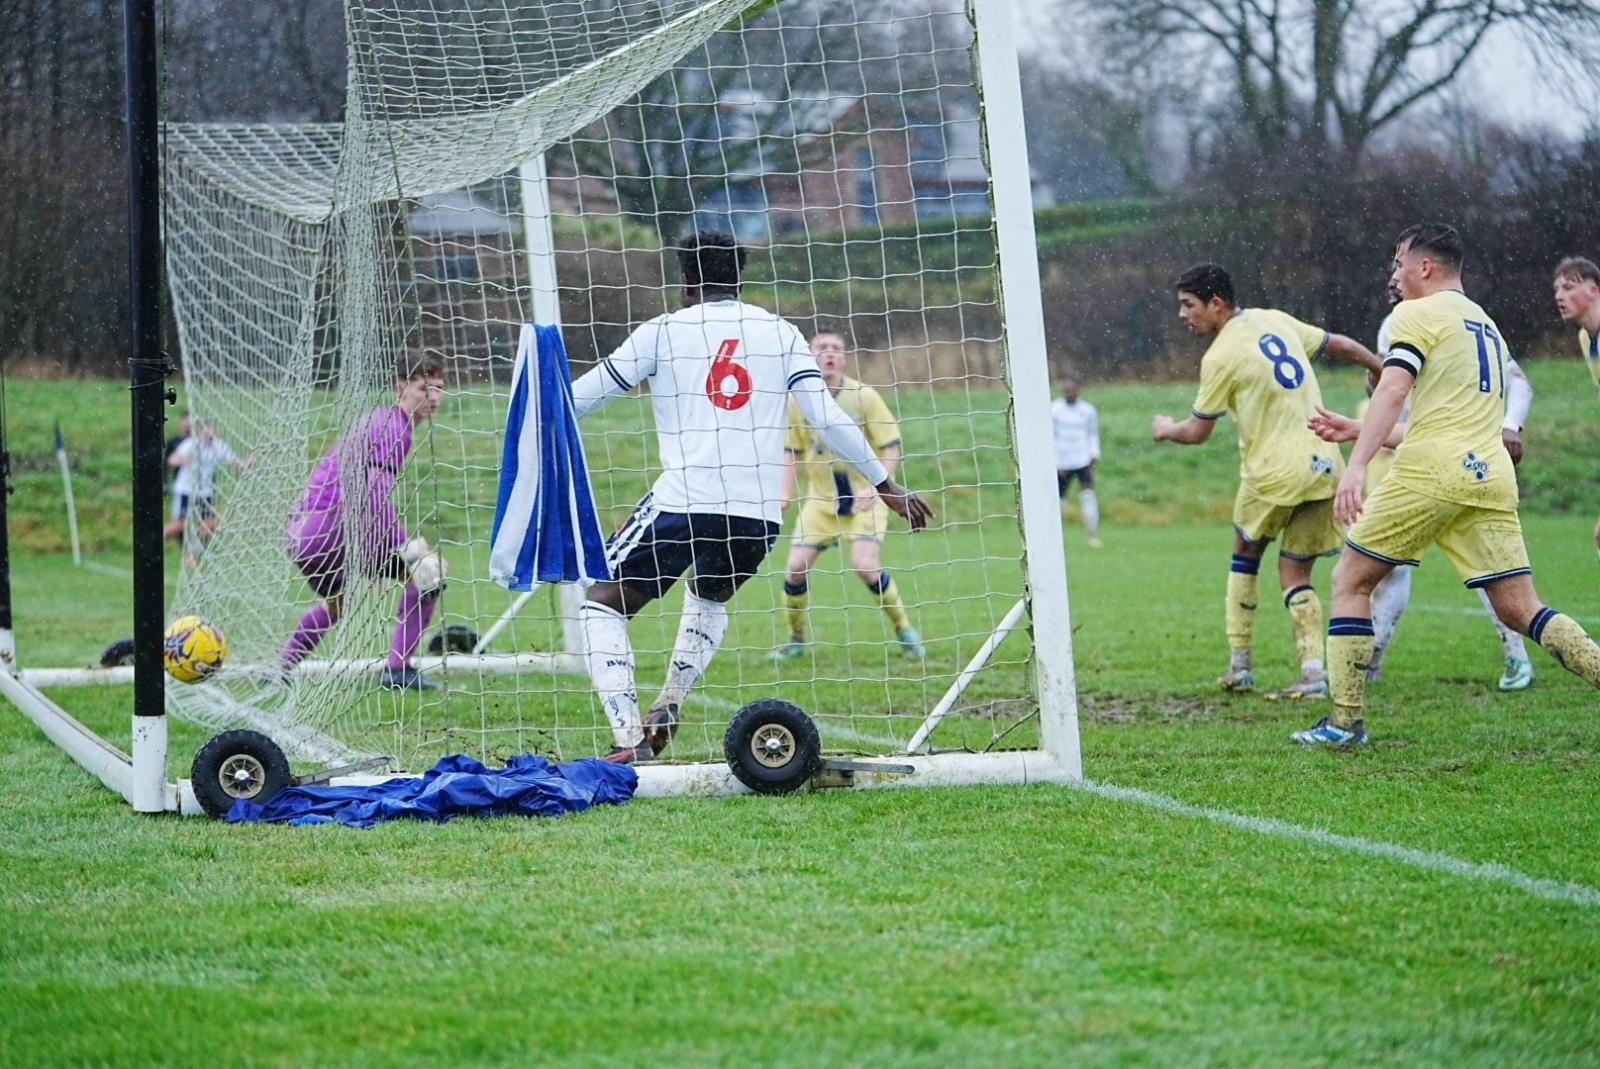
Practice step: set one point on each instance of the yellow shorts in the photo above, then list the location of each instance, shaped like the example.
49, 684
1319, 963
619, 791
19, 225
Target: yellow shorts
1307, 528
1398, 523
820, 526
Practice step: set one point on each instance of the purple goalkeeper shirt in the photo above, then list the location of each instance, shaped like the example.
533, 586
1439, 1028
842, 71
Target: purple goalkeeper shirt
366, 462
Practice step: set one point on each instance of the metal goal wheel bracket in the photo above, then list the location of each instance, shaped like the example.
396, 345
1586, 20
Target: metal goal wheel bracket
238, 765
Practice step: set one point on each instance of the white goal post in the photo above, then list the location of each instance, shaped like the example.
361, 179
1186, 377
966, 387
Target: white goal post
538, 163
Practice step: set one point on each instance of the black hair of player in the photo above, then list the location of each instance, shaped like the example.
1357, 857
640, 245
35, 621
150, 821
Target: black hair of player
1440, 240
711, 260
1206, 281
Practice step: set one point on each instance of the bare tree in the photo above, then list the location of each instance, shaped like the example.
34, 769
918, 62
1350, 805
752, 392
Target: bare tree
1327, 75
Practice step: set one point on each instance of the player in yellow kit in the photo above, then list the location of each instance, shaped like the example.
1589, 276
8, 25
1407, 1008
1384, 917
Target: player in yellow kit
1258, 370
837, 504
1451, 483
1577, 286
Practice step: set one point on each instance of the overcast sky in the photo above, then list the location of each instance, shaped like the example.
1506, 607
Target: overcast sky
1503, 79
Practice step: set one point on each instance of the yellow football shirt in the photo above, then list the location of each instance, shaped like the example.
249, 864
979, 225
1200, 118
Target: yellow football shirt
1258, 370
823, 476
1591, 354
1452, 449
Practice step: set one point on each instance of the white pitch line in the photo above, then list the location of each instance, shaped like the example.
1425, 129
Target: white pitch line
108, 569
831, 729
1484, 872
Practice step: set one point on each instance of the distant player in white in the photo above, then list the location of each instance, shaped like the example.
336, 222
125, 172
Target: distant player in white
1077, 433
1391, 596
197, 459
721, 374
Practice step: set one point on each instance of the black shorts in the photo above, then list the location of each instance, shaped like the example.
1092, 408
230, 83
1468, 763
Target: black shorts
1064, 477
653, 548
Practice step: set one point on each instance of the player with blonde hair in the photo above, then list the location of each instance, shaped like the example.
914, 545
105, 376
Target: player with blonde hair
837, 504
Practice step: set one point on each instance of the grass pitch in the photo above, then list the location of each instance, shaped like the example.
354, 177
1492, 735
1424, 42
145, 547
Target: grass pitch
1037, 926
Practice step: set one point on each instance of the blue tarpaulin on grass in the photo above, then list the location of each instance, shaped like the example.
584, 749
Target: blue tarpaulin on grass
528, 785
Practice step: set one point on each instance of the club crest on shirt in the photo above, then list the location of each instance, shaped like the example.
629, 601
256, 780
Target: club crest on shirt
1475, 464
1321, 465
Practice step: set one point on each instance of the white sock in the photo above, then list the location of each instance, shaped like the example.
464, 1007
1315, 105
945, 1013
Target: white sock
1091, 511
605, 632
700, 632
1389, 601
1510, 641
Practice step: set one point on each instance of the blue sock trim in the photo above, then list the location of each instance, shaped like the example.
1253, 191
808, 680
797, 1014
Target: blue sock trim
1540, 619
882, 584
1349, 625
1244, 565
794, 590
1295, 590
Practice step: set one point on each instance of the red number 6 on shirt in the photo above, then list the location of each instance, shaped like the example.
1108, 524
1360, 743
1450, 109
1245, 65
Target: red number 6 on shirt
728, 385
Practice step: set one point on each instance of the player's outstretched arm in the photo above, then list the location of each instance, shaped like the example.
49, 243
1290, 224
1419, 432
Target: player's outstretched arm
1192, 431
1352, 352
632, 362
1383, 414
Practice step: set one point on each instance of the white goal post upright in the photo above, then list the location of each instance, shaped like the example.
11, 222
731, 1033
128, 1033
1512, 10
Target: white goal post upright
1028, 370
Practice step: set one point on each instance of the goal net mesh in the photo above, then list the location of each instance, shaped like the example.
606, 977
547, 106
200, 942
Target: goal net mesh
488, 148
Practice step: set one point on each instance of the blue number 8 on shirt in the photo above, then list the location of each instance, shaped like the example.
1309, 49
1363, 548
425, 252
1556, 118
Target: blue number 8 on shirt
1289, 372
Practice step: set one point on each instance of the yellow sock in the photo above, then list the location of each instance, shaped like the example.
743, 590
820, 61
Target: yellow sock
889, 600
1565, 640
1240, 618
797, 600
1305, 612
1349, 654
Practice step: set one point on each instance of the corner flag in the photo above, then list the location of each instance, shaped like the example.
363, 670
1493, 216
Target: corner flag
545, 526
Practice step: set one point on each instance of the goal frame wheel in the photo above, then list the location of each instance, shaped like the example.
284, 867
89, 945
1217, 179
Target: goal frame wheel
457, 638
238, 765
772, 746
117, 654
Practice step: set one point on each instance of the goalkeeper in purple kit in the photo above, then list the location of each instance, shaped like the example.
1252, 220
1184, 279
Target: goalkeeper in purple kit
344, 525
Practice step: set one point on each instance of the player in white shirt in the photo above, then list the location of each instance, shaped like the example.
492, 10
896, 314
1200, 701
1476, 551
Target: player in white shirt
1077, 433
197, 460
1393, 593
721, 374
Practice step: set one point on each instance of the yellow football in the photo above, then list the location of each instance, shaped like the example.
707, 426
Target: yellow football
194, 649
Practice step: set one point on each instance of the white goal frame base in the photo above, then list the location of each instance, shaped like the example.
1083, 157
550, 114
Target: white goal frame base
141, 778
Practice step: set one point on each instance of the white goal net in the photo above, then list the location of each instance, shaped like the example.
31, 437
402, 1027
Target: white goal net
517, 162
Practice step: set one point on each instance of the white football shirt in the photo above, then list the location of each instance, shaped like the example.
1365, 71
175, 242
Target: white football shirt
720, 375
198, 478
1077, 433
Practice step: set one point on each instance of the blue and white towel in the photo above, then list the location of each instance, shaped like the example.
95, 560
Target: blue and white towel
545, 526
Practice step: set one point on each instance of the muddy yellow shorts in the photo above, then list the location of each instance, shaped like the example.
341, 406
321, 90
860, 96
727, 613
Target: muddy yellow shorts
1397, 523
820, 524
1307, 528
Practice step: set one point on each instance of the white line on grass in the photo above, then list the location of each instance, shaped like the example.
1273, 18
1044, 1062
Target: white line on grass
108, 569
1484, 872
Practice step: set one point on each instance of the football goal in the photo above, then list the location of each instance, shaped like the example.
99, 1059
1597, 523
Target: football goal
520, 163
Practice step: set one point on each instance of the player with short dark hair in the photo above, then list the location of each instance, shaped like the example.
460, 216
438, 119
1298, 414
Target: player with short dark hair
721, 374
345, 525
1258, 369
1577, 286
1451, 483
